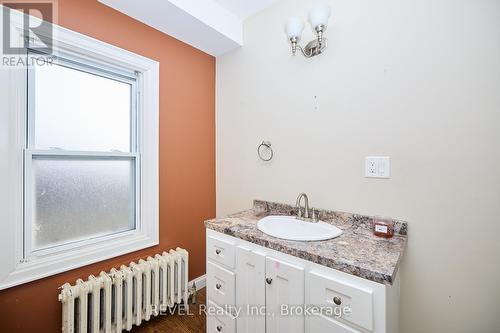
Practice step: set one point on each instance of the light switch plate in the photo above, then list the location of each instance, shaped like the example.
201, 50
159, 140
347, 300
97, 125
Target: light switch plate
378, 167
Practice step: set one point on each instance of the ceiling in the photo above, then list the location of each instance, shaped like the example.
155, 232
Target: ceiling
213, 26
245, 8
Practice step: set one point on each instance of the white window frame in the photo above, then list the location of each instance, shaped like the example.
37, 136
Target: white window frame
18, 265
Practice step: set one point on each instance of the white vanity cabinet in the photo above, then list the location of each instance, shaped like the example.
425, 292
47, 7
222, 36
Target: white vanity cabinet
260, 290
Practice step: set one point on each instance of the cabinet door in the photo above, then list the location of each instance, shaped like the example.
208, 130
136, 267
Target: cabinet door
250, 290
284, 292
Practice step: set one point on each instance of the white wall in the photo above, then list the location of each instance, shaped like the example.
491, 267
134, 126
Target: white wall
416, 80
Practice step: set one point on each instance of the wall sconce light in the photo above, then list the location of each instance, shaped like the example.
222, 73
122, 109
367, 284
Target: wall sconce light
318, 19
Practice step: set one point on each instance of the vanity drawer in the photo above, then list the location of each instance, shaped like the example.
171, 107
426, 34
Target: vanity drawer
220, 251
221, 285
328, 291
320, 324
218, 321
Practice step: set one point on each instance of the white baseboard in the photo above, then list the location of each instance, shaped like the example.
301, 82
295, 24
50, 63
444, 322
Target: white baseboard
201, 282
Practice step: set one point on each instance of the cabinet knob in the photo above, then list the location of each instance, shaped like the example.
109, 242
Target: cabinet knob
219, 328
218, 251
218, 286
337, 300
269, 280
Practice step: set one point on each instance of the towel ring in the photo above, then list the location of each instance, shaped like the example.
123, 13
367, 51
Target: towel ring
267, 145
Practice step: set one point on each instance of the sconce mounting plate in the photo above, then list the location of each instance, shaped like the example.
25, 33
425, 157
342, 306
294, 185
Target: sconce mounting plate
314, 48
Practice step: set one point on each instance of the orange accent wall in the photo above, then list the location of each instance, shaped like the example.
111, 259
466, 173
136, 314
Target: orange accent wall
187, 157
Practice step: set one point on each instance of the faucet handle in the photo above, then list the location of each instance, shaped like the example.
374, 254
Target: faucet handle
314, 217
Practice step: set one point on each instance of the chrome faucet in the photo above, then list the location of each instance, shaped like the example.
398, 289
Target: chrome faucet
306, 205
306, 217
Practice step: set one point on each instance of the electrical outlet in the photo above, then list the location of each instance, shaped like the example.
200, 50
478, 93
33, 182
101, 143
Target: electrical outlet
377, 167
316, 103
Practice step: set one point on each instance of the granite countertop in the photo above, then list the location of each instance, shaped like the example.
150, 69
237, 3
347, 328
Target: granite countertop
357, 251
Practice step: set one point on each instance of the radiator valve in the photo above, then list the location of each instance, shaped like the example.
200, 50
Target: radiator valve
192, 293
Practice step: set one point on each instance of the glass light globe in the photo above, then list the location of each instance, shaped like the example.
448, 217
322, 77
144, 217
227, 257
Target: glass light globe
319, 15
294, 27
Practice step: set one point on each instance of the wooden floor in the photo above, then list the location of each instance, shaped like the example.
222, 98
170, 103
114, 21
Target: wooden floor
178, 321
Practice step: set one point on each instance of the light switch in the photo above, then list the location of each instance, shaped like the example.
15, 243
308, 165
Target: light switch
377, 167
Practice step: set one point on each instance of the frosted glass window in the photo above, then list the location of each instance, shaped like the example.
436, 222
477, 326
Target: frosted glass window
77, 110
76, 199
85, 190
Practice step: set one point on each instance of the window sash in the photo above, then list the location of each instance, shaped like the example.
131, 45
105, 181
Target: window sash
30, 155
87, 66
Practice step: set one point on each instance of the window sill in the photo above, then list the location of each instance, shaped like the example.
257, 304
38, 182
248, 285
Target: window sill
40, 267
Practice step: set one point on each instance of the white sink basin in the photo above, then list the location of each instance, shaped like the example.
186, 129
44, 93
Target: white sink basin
291, 228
